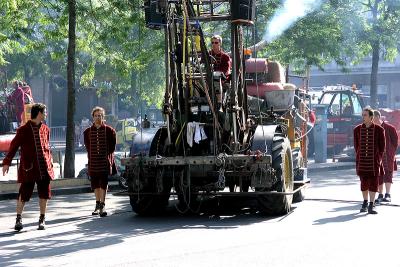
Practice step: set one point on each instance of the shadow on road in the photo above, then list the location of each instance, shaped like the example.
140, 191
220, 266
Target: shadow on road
355, 207
72, 232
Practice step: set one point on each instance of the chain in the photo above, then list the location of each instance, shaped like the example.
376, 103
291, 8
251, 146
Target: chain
221, 162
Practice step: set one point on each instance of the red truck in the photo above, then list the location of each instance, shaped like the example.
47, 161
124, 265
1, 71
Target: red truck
345, 106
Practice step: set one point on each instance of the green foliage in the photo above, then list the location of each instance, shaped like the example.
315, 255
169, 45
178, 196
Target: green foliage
114, 47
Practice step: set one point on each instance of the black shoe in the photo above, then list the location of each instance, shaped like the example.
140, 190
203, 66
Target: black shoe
379, 199
18, 224
103, 212
364, 206
42, 224
96, 209
387, 198
371, 208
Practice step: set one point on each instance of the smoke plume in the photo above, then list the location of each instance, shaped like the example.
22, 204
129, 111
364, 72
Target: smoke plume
287, 15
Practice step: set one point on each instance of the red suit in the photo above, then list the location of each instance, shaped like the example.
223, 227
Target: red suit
29, 170
369, 145
100, 145
222, 62
17, 99
389, 160
28, 98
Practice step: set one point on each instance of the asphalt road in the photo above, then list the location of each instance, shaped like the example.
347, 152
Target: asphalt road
326, 229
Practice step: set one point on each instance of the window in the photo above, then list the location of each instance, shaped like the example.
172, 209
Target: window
347, 110
327, 98
335, 106
356, 105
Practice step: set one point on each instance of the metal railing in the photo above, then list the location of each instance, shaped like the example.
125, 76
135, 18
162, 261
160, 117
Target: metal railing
58, 136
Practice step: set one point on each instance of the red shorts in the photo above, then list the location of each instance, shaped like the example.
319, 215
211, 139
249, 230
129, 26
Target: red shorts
369, 183
99, 180
43, 189
386, 178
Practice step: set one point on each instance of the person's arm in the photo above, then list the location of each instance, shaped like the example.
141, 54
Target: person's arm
381, 142
112, 140
356, 140
225, 64
86, 140
14, 146
394, 138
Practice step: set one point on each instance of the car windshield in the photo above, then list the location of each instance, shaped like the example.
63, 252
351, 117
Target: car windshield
326, 98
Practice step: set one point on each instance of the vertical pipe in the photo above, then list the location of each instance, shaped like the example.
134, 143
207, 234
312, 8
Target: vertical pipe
234, 80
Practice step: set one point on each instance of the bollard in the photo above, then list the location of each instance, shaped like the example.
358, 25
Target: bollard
320, 133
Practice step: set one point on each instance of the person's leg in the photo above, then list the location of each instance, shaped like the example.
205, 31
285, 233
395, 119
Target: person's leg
94, 181
24, 195
380, 190
364, 191
388, 184
373, 188
104, 187
44, 193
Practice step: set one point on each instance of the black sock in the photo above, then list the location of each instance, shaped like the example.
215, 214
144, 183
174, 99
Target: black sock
19, 216
41, 216
365, 201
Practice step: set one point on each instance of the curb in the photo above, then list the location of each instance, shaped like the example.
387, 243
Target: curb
332, 168
58, 188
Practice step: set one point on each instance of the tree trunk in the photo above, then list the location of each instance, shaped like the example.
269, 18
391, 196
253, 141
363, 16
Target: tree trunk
69, 162
375, 57
134, 92
374, 75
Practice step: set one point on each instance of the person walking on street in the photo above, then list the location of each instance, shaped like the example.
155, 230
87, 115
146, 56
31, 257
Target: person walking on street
35, 163
389, 160
100, 141
369, 145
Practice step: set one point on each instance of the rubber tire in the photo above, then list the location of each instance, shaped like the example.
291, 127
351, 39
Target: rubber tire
152, 205
276, 205
299, 196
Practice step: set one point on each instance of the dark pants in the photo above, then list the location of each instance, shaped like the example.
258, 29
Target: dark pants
99, 180
386, 178
369, 183
43, 188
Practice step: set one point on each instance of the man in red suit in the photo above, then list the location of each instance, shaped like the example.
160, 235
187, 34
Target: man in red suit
221, 62
100, 140
369, 145
389, 160
220, 59
35, 163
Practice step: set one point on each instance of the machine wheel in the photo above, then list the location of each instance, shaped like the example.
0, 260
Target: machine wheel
152, 204
298, 163
155, 182
283, 166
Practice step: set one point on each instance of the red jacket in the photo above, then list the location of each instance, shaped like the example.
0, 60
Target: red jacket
222, 62
391, 147
110, 143
379, 148
29, 166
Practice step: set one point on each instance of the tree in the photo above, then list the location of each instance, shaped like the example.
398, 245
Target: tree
379, 35
69, 163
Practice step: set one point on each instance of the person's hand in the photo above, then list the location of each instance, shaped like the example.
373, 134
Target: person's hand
5, 169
